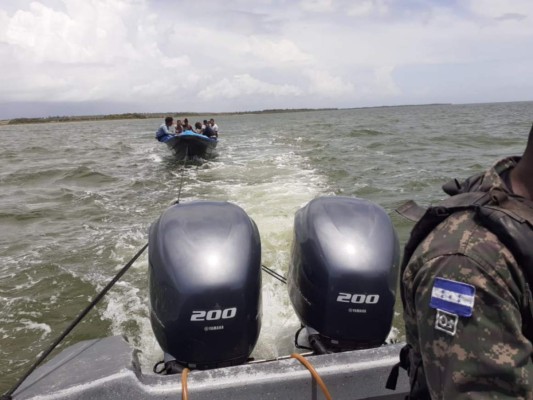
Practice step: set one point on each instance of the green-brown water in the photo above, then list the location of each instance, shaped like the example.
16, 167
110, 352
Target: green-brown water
78, 198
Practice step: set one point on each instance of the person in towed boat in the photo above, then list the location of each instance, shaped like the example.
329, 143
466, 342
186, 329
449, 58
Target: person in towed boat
207, 130
198, 127
179, 127
186, 125
165, 131
214, 126
467, 277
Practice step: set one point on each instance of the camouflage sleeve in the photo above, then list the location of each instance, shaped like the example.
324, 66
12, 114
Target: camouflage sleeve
484, 355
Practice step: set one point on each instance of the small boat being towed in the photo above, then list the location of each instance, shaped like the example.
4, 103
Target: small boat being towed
205, 308
189, 144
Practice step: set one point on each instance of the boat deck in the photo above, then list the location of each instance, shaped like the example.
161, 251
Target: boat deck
108, 369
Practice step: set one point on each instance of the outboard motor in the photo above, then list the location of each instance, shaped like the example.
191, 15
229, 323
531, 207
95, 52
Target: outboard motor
205, 283
343, 273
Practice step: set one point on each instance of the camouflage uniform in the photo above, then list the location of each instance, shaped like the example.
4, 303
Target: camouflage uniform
487, 354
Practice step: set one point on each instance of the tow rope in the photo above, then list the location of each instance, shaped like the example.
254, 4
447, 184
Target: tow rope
182, 174
8, 394
299, 357
184, 389
273, 273
314, 374
103, 292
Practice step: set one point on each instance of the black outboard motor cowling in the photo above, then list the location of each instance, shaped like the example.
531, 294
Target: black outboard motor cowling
205, 283
344, 271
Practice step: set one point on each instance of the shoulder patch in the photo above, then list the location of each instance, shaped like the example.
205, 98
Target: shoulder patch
446, 322
453, 297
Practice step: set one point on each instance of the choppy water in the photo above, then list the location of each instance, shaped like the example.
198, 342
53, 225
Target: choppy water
77, 200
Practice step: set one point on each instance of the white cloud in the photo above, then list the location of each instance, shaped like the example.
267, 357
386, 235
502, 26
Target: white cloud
246, 85
84, 32
317, 6
175, 62
275, 52
385, 82
327, 53
366, 8
43, 33
496, 9
323, 83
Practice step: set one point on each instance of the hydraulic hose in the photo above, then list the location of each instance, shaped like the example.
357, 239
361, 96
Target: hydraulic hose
314, 374
184, 389
317, 345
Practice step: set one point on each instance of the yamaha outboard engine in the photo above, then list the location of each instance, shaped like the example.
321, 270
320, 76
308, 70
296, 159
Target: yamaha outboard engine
343, 273
205, 283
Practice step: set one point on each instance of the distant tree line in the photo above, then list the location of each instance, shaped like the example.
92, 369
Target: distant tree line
149, 115
76, 118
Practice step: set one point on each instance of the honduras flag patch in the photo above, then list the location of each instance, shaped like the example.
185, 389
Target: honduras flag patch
453, 297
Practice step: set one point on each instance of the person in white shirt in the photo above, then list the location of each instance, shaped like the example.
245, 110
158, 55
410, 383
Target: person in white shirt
214, 126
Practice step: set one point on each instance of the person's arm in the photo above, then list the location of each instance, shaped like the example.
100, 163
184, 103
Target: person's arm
170, 130
482, 356
160, 133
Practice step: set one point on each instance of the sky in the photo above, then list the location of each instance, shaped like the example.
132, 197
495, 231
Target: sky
86, 57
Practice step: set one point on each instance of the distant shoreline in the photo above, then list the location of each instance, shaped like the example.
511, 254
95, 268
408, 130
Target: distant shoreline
80, 118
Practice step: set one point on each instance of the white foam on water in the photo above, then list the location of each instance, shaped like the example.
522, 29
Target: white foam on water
127, 310
32, 325
155, 158
393, 335
272, 205
271, 202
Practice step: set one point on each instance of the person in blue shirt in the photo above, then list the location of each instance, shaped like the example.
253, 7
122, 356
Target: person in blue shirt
165, 131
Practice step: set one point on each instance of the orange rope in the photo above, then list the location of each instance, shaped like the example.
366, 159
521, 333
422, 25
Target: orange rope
315, 375
184, 390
